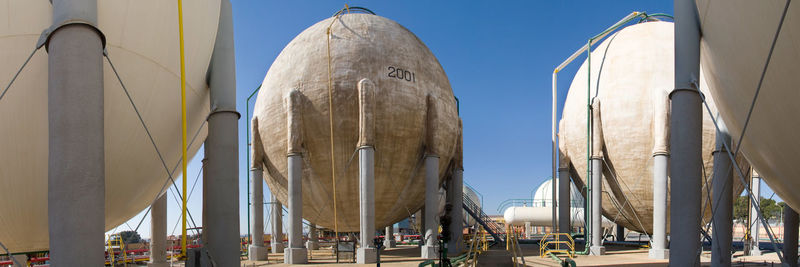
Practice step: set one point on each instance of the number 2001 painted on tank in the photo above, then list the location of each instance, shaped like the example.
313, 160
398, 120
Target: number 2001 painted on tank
402, 74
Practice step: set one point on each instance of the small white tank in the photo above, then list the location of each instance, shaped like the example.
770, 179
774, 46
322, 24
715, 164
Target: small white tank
142, 41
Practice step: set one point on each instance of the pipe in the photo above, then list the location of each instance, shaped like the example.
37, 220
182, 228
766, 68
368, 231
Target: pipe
722, 206
76, 169
686, 125
222, 187
247, 122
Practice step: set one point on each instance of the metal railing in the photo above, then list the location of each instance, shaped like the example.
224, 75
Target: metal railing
494, 229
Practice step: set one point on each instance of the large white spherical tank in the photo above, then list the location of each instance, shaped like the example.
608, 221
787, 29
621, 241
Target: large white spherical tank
142, 41
632, 75
361, 46
737, 36
543, 195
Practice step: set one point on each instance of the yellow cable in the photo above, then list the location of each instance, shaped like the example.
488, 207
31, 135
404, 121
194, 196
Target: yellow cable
183, 127
330, 118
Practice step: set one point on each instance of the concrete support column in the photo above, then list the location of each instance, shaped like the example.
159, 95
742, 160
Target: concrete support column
276, 217
296, 253
455, 193
158, 233
686, 126
596, 215
313, 238
366, 165
76, 165
755, 187
790, 231
597, 182
430, 237
658, 245
367, 253
257, 251
388, 240
722, 202
222, 185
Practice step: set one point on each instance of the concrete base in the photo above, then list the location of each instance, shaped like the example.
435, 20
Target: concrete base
277, 247
429, 252
257, 253
660, 254
366, 255
295, 255
755, 252
389, 243
311, 245
158, 264
597, 250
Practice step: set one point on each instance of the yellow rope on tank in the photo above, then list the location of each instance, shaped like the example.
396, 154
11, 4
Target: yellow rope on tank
183, 126
330, 119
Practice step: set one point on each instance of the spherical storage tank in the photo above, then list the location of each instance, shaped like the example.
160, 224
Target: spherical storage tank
142, 40
404, 73
631, 77
735, 48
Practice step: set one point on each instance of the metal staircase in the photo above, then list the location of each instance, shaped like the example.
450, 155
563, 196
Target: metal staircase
490, 225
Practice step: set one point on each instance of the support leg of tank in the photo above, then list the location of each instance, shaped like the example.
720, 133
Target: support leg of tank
597, 217
686, 129
388, 240
528, 232
564, 200
431, 228
755, 187
158, 233
722, 203
257, 251
455, 194
790, 231
296, 253
222, 193
313, 238
658, 248
367, 253
21, 258
276, 217
620, 232
76, 169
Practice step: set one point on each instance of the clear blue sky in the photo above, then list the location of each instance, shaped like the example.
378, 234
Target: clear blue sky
498, 55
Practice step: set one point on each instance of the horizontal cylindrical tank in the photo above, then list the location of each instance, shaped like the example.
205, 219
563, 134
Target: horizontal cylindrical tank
411, 88
142, 41
543, 216
735, 48
631, 77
